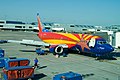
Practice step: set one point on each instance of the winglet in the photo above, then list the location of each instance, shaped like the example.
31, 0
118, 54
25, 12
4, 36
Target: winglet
39, 23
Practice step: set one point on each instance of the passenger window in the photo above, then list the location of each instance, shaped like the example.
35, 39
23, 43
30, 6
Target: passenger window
102, 42
92, 42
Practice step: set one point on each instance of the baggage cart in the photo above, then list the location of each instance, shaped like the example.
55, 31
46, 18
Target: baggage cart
68, 76
17, 73
16, 62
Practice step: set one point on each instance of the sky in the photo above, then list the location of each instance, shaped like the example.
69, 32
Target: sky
86, 12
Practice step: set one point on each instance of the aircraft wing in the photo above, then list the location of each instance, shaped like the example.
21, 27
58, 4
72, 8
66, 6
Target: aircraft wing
30, 43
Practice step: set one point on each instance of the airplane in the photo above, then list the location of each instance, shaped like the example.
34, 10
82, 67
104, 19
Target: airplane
83, 43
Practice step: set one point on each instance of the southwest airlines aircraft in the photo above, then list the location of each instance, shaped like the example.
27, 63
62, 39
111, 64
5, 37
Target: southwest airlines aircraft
60, 42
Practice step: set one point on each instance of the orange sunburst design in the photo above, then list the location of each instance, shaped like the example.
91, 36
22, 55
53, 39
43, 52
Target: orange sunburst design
87, 37
95, 37
80, 35
72, 36
55, 41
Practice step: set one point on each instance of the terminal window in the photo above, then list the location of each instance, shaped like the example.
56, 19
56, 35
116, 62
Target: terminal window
72, 26
18, 26
1, 25
30, 27
1, 21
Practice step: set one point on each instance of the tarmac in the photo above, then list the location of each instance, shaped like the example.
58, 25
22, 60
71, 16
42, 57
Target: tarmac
90, 68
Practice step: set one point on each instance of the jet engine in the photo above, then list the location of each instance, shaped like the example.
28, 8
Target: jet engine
57, 49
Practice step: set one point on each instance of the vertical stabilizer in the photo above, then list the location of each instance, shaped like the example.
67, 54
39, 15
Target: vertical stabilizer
39, 23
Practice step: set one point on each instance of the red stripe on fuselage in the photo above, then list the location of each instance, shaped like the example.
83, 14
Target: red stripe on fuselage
90, 37
52, 35
77, 35
71, 45
84, 35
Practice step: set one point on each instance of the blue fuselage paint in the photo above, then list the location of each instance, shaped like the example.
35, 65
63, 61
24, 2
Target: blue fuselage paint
99, 48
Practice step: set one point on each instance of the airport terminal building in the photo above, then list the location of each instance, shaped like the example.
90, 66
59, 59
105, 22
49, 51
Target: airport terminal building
15, 25
110, 33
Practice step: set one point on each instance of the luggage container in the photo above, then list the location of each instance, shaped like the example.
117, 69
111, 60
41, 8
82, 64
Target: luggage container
2, 62
16, 62
68, 76
1, 53
20, 72
39, 51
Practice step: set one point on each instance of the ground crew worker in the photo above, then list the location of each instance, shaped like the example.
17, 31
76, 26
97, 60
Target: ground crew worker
36, 63
63, 77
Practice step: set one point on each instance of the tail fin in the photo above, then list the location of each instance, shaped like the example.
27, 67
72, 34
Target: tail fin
39, 23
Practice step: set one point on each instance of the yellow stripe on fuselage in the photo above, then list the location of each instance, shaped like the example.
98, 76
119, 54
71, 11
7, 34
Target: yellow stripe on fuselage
53, 41
87, 37
80, 35
95, 37
70, 36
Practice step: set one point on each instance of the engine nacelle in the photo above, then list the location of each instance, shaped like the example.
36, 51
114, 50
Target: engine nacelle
57, 49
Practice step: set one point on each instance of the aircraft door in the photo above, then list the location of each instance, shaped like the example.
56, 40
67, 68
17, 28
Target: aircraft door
92, 42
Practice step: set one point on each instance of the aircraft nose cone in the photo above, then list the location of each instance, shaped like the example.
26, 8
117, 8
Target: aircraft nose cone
111, 49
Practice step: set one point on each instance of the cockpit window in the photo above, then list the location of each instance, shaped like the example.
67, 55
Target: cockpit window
102, 42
